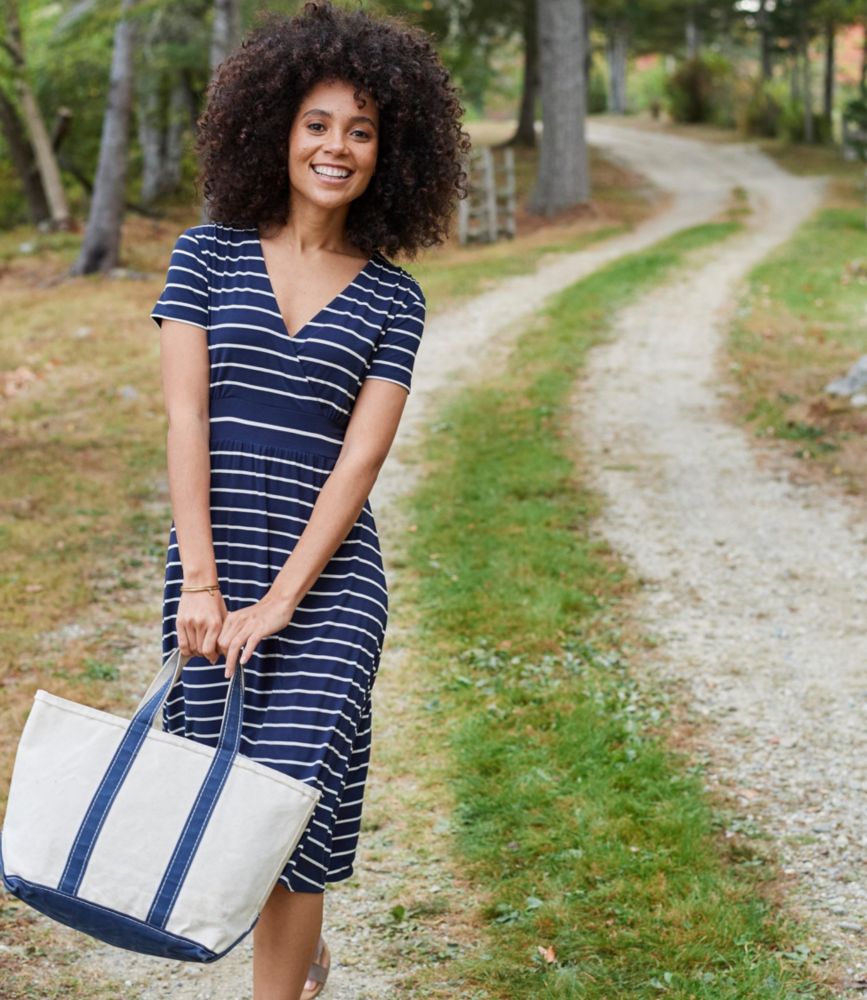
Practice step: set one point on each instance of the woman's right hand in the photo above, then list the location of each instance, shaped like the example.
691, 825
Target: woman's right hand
199, 623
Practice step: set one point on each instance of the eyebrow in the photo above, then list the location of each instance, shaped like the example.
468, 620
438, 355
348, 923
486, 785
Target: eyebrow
328, 114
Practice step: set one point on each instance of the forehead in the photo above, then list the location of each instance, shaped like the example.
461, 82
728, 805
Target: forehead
337, 97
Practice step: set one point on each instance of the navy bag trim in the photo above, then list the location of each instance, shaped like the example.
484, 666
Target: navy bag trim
200, 813
113, 926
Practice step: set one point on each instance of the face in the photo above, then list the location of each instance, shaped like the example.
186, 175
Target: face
333, 145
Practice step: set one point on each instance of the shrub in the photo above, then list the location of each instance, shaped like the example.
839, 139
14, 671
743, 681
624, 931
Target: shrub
700, 91
597, 92
759, 107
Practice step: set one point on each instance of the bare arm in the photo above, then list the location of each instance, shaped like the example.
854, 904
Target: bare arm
185, 376
372, 427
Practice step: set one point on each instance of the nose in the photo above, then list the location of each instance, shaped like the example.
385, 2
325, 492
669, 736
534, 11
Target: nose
335, 141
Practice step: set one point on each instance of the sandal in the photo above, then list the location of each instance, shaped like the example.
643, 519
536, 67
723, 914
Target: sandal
318, 971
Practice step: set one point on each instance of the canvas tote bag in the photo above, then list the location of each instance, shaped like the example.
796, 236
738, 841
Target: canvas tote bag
147, 840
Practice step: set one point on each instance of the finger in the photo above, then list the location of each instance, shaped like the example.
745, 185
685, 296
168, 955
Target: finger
209, 643
250, 648
197, 635
183, 640
232, 656
227, 634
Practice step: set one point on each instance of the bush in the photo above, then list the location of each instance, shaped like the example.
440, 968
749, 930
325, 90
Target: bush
700, 91
759, 107
597, 92
792, 124
855, 124
645, 85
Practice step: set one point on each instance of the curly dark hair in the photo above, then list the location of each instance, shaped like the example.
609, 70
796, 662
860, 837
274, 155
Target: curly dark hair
257, 91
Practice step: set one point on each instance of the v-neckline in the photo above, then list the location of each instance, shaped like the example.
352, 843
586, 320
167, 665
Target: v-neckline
319, 312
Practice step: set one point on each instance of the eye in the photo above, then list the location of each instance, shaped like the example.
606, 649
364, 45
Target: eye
315, 124
360, 132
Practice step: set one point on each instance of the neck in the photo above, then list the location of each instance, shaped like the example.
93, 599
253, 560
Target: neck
312, 229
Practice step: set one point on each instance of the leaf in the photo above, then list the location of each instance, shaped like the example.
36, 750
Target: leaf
548, 954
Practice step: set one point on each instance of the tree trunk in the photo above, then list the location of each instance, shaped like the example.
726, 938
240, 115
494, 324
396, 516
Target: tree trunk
46, 161
587, 34
617, 47
224, 37
563, 178
862, 83
830, 70
226, 30
150, 135
525, 134
693, 34
101, 246
765, 57
174, 143
807, 84
21, 155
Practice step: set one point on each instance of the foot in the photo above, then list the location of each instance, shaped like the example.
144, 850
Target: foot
318, 972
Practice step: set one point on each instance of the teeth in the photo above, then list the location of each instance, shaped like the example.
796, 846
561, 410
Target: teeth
332, 171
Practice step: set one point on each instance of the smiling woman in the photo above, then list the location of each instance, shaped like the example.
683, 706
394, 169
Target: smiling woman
289, 339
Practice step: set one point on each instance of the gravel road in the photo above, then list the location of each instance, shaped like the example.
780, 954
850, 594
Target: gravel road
754, 586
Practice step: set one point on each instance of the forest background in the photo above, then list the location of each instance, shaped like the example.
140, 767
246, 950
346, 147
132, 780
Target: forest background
129, 78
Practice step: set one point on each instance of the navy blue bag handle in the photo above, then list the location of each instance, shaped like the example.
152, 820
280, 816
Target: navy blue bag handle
147, 716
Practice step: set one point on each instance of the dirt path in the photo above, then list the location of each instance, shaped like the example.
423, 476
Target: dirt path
754, 586
404, 855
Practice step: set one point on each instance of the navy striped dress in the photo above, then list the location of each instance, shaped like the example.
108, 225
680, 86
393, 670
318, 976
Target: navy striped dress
279, 407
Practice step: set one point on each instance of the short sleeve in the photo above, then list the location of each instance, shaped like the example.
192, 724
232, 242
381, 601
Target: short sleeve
185, 295
395, 351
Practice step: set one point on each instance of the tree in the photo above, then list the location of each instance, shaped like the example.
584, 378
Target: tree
174, 50
21, 155
227, 30
525, 133
225, 35
43, 151
101, 245
563, 177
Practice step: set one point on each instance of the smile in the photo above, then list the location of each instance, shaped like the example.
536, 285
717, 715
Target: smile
336, 173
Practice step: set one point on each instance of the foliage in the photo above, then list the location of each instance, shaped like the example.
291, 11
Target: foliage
855, 115
646, 86
597, 91
759, 107
698, 89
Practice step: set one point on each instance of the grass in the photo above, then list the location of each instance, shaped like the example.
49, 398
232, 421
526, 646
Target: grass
801, 324
605, 871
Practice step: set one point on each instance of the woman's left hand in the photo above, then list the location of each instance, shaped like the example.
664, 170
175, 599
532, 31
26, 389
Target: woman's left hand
249, 626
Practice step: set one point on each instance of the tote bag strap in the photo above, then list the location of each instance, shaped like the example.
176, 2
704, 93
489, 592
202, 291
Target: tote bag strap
187, 844
124, 756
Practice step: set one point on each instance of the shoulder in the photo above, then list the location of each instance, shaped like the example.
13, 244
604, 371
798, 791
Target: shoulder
213, 244
407, 289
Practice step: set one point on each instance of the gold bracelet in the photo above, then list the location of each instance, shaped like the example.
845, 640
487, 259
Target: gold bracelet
211, 587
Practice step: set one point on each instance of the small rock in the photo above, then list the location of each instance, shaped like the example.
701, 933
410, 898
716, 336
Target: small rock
849, 925
854, 381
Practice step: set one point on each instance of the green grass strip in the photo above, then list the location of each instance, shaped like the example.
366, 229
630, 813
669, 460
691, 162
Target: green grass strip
801, 324
585, 831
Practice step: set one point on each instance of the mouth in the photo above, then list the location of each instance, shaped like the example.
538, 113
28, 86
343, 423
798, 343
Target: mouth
331, 175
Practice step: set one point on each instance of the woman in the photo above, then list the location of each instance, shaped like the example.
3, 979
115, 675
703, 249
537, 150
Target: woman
288, 338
